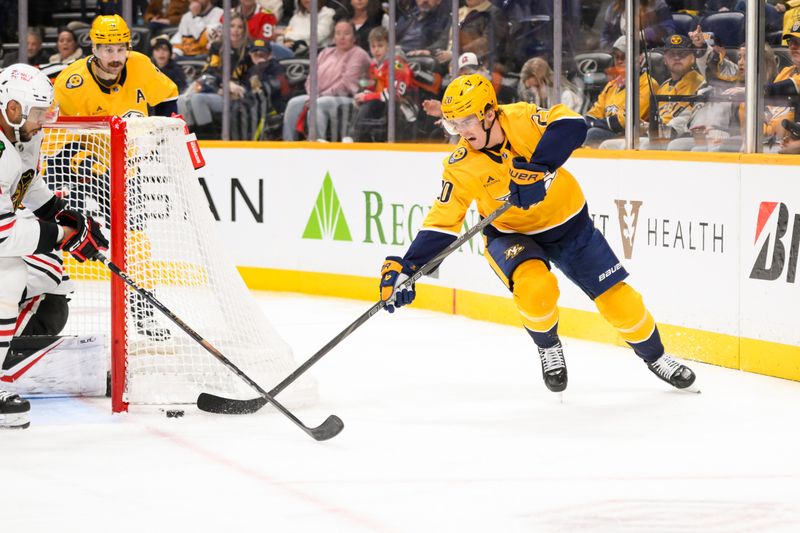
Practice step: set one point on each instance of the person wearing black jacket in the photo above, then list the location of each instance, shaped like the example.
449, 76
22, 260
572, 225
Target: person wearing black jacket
161, 56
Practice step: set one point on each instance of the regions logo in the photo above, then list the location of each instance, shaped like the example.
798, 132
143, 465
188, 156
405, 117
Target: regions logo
773, 224
327, 219
628, 214
458, 155
74, 81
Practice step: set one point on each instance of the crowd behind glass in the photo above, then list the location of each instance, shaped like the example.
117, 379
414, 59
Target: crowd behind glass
691, 91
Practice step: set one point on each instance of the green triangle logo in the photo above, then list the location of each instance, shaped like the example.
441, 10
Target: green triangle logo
327, 218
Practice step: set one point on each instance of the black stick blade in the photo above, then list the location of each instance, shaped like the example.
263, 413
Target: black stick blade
332, 426
226, 406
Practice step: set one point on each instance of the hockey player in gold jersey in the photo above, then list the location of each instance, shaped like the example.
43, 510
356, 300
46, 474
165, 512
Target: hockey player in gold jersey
114, 80
516, 152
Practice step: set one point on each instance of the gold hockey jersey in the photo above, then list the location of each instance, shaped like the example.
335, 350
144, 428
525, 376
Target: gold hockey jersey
686, 86
140, 84
610, 102
484, 175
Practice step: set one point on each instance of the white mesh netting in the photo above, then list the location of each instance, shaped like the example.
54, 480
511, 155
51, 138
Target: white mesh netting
172, 249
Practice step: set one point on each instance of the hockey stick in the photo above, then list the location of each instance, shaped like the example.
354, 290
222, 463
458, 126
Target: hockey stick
217, 404
328, 429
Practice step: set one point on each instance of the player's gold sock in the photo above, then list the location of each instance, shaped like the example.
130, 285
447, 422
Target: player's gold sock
624, 309
536, 295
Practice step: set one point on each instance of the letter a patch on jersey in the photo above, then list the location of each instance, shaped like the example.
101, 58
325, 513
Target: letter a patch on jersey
139, 96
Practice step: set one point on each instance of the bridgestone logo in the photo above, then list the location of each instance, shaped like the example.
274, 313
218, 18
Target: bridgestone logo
327, 218
782, 236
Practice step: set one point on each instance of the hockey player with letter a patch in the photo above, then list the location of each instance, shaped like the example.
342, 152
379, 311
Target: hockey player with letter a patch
515, 152
114, 80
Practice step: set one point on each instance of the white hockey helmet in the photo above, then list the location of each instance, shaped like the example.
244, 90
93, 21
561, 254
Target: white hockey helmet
31, 89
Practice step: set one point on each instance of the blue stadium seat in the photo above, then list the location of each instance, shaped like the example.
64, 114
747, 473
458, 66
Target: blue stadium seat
727, 27
684, 23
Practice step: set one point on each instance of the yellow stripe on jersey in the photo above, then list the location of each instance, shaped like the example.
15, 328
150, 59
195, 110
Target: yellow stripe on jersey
141, 84
484, 177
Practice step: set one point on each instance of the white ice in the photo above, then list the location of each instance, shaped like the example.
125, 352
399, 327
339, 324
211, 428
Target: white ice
448, 427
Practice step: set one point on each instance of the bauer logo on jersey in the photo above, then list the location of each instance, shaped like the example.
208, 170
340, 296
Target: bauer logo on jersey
513, 251
458, 155
74, 81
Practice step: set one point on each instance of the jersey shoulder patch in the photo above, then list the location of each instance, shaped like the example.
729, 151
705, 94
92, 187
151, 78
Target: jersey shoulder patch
74, 81
459, 154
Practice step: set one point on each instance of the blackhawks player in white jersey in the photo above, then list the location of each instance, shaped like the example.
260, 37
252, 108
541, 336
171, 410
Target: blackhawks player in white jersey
34, 225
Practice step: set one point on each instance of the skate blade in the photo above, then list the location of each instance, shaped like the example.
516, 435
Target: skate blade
14, 421
692, 389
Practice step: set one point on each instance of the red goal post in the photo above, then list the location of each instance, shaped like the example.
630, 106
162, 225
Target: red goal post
136, 177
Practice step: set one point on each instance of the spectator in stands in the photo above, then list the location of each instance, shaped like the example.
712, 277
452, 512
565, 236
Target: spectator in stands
197, 28
339, 72
268, 75
714, 124
369, 124
203, 100
36, 56
297, 34
606, 118
261, 22
467, 64
482, 30
68, 49
671, 118
536, 86
365, 15
787, 81
654, 16
163, 13
161, 56
258, 115
424, 30
790, 142
277, 8
710, 59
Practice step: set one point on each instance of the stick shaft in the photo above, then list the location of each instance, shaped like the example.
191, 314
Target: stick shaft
203, 342
425, 269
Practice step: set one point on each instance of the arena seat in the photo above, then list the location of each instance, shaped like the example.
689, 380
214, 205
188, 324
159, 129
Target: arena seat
684, 23
727, 27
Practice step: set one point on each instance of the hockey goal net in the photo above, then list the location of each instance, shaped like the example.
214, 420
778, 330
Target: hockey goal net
136, 178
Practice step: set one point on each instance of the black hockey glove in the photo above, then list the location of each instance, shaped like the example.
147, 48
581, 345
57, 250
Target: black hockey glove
87, 241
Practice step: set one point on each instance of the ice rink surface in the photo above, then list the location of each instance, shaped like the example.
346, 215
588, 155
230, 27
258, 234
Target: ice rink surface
448, 427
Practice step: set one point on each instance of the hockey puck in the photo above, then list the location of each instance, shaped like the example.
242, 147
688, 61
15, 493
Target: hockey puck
174, 413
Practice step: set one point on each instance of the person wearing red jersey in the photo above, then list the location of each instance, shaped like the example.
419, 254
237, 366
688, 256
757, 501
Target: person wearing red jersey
369, 124
261, 22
